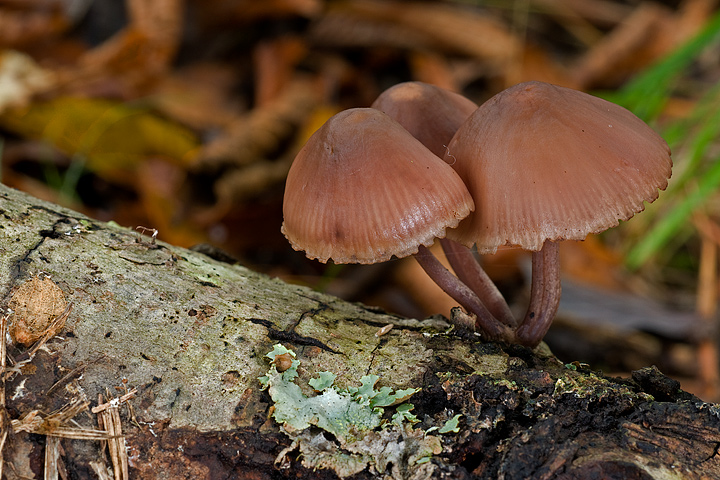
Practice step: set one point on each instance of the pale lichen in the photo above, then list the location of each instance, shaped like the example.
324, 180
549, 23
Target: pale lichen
354, 416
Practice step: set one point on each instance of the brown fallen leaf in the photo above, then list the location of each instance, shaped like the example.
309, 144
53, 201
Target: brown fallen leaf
446, 27
21, 24
256, 135
134, 59
199, 95
647, 34
275, 62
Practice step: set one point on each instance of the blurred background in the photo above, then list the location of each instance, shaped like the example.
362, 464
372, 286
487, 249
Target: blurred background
184, 116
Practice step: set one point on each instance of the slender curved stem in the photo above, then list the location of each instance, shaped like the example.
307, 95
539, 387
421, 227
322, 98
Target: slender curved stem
462, 294
471, 273
544, 295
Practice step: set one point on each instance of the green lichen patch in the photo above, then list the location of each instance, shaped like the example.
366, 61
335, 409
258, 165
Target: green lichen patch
451, 425
363, 437
395, 452
345, 413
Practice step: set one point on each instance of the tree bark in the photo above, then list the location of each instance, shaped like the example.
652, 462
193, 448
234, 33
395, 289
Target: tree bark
190, 333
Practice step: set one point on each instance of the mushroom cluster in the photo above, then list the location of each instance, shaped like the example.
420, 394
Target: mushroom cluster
534, 165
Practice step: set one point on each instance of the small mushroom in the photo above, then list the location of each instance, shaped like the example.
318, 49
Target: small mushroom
430, 113
363, 190
546, 163
433, 115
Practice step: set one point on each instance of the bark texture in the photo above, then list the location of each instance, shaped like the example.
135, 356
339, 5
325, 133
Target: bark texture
190, 333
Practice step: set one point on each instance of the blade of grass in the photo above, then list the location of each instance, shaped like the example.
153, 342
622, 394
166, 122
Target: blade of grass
647, 94
667, 227
697, 135
690, 139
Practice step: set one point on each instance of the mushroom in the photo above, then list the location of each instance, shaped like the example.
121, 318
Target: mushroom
545, 163
433, 115
430, 113
363, 190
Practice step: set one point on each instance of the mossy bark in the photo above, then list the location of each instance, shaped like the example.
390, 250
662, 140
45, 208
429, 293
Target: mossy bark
190, 333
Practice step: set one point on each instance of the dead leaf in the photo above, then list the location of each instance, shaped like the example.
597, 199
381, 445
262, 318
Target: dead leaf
445, 27
255, 136
23, 25
111, 137
647, 34
248, 11
199, 96
275, 62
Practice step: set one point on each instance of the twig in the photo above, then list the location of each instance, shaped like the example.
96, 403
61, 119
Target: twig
115, 402
131, 410
100, 470
53, 424
71, 374
109, 420
52, 454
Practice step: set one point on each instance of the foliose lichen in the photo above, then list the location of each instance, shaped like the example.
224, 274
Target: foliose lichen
362, 436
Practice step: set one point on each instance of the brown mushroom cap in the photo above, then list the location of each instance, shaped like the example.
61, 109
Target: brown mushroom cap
544, 162
363, 189
430, 113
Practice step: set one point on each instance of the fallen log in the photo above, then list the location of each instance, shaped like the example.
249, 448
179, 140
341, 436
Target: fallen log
165, 347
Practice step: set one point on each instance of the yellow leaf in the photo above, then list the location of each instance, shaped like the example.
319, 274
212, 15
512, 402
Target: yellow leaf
111, 137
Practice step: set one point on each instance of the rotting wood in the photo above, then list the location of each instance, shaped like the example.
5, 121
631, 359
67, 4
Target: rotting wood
190, 334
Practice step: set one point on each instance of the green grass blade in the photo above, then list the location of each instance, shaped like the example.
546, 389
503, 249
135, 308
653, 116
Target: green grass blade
708, 130
647, 94
669, 226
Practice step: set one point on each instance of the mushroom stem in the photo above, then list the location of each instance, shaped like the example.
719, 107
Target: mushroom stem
544, 295
462, 294
471, 273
